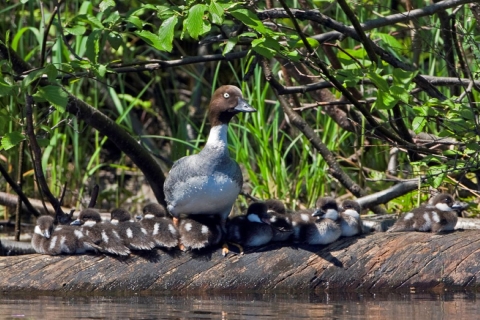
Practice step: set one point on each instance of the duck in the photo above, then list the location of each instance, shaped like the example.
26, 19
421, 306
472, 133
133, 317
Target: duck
51, 240
437, 215
350, 221
159, 225
252, 229
319, 226
134, 235
280, 220
208, 183
102, 234
200, 232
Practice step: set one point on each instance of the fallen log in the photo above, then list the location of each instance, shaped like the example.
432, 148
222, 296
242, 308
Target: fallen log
376, 262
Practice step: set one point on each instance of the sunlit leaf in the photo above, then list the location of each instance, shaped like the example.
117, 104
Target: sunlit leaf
167, 32
105, 4
418, 124
216, 12
229, 45
11, 139
53, 94
196, 24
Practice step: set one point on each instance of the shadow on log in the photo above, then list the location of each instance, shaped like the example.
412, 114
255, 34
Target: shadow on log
375, 263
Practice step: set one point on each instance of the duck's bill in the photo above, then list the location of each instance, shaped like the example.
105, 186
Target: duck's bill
243, 106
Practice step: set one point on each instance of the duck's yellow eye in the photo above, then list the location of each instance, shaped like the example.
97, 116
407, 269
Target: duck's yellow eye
226, 95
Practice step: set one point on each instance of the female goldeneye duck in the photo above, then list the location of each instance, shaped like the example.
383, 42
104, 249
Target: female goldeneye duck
102, 234
159, 225
280, 220
209, 182
318, 226
438, 215
350, 221
47, 239
133, 234
252, 229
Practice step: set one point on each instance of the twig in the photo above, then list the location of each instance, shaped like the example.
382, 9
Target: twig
94, 196
19, 192
18, 209
37, 156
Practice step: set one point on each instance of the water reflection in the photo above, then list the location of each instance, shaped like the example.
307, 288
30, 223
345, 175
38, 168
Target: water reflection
246, 306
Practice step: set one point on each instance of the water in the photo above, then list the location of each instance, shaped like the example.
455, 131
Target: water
246, 306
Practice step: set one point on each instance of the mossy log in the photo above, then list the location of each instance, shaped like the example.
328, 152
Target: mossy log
376, 262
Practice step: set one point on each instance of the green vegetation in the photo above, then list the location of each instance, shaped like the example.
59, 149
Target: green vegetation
149, 68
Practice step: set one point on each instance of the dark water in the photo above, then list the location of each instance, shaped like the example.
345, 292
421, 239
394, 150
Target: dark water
251, 306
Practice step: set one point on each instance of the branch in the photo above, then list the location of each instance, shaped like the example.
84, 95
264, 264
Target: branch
10, 200
19, 192
37, 162
393, 192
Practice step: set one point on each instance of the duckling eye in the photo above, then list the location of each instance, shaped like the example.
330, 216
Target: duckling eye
226, 95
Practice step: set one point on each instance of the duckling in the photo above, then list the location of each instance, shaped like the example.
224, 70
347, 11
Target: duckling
438, 215
252, 229
47, 239
200, 232
320, 226
160, 225
350, 221
208, 183
133, 234
280, 220
102, 234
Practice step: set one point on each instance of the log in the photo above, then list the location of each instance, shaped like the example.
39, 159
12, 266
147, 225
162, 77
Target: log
375, 262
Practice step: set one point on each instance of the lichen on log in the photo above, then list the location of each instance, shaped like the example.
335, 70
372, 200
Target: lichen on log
377, 262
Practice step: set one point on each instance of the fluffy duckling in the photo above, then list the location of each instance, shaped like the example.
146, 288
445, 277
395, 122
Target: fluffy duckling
319, 227
133, 234
47, 239
350, 221
160, 225
280, 220
103, 234
252, 229
200, 232
438, 215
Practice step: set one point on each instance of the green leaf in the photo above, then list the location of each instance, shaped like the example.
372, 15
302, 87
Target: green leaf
166, 33
400, 93
11, 139
418, 124
105, 4
216, 12
473, 146
436, 175
265, 47
76, 30
251, 20
313, 43
379, 82
401, 76
5, 88
229, 45
136, 21
385, 101
196, 24
151, 38
31, 77
115, 39
53, 94
93, 46
51, 72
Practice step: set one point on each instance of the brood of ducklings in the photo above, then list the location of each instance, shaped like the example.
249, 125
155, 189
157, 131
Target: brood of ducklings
438, 215
319, 226
102, 234
133, 234
160, 225
47, 239
280, 220
350, 221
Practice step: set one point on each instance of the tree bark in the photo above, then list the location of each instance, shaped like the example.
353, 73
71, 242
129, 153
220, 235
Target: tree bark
377, 262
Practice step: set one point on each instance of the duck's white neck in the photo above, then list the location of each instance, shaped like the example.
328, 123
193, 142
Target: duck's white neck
218, 137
